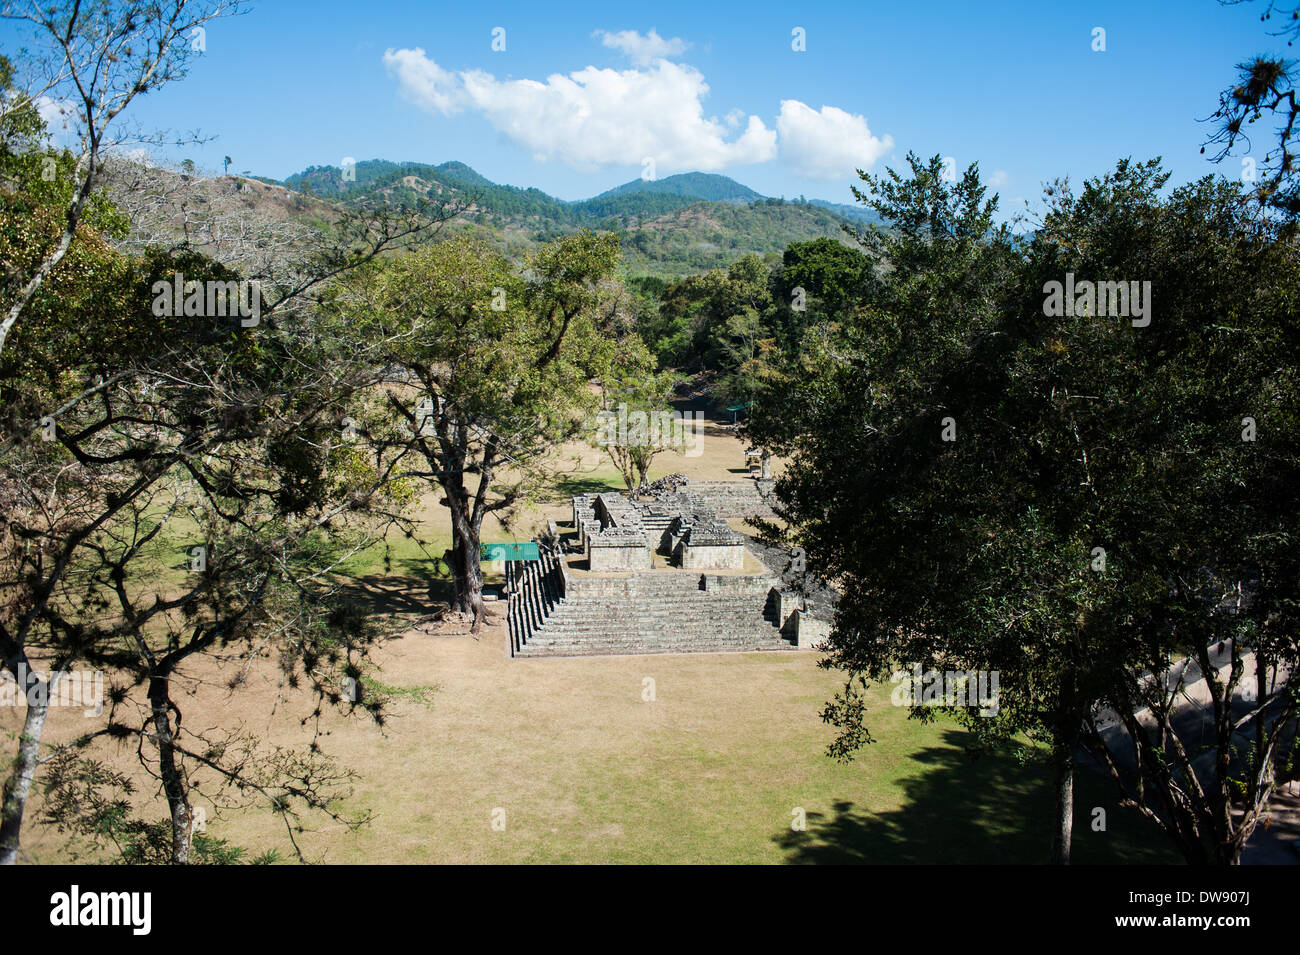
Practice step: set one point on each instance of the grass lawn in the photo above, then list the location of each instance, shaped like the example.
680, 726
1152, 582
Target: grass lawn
711, 770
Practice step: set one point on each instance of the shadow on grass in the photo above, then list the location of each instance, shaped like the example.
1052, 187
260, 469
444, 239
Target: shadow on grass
719, 429
390, 595
991, 809
573, 486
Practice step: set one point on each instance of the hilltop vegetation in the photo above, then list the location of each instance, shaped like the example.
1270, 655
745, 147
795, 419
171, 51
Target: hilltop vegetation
672, 227
715, 234
696, 185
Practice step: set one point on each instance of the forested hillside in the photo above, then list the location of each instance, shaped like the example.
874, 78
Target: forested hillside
670, 227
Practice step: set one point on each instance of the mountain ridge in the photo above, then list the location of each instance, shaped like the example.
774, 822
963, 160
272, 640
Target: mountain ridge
675, 226
700, 186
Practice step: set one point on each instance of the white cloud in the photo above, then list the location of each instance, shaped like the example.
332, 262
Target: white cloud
604, 117
829, 144
592, 117
57, 113
424, 82
1000, 177
643, 50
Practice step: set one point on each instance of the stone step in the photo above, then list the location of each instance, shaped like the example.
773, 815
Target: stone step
654, 620
720, 623
535, 594
661, 636
634, 638
534, 650
573, 611
734, 625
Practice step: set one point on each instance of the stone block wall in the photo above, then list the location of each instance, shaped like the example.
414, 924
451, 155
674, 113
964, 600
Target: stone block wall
617, 553
788, 603
756, 585
719, 557
632, 584
809, 631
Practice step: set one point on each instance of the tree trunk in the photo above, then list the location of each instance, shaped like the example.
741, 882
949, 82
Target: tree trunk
467, 576
173, 785
470, 582
466, 554
1063, 783
23, 769
454, 561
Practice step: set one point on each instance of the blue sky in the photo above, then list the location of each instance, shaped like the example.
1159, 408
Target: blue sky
1014, 85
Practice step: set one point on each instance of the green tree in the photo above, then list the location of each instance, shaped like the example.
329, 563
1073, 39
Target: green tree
1191, 496
109, 443
817, 282
121, 422
999, 489
691, 328
97, 57
745, 356
494, 369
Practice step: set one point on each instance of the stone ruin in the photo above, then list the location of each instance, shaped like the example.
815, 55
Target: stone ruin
661, 572
619, 534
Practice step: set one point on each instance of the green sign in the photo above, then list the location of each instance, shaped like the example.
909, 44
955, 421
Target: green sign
511, 551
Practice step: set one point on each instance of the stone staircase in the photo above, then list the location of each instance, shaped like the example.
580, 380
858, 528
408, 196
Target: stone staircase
655, 525
667, 618
745, 498
535, 587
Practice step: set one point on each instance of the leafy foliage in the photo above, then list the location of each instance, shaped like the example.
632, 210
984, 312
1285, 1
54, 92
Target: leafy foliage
960, 455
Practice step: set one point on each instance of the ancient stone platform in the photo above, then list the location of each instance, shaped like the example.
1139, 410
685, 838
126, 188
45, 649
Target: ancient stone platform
664, 573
